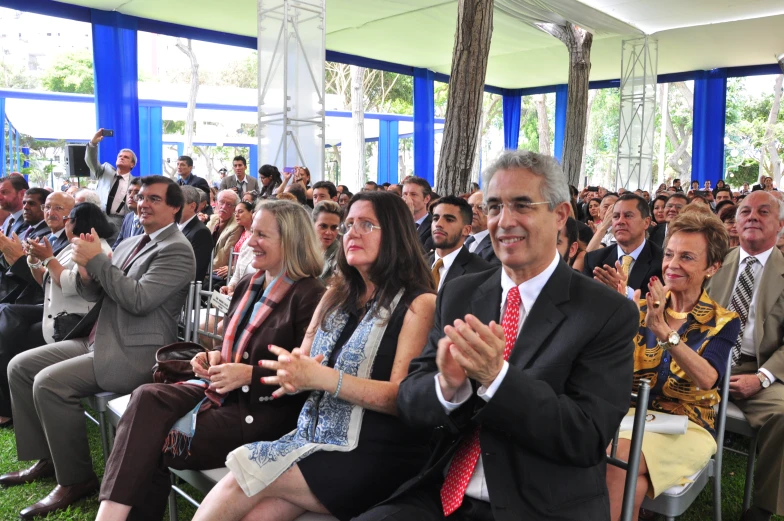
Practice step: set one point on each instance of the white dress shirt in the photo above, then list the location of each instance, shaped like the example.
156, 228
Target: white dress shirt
449, 259
184, 224
529, 292
122, 191
478, 237
156, 233
633, 255
747, 346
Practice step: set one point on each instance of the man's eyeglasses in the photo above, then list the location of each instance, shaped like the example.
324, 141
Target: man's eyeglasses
363, 227
152, 199
517, 207
56, 208
480, 207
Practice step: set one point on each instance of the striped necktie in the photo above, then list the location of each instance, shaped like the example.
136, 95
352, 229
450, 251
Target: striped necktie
741, 301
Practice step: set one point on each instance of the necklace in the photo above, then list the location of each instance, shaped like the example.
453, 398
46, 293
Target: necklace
675, 314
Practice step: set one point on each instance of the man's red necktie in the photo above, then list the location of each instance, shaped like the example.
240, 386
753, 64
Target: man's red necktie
467, 454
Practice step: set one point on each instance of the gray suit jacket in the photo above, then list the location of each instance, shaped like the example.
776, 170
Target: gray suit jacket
230, 181
105, 174
768, 302
141, 305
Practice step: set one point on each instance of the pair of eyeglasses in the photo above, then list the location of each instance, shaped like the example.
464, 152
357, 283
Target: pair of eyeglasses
49, 208
517, 207
152, 199
363, 227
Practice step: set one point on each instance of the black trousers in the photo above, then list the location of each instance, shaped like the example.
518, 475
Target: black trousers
423, 503
20, 330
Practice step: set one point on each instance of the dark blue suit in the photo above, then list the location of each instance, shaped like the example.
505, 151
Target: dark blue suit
128, 229
196, 182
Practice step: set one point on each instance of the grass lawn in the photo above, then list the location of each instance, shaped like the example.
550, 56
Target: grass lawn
14, 499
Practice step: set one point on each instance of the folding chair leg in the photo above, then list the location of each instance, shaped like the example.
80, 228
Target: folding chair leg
102, 426
752, 457
172, 501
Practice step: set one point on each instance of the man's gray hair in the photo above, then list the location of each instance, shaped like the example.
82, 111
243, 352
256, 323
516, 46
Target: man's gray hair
133, 155
554, 188
233, 194
89, 196
191, 194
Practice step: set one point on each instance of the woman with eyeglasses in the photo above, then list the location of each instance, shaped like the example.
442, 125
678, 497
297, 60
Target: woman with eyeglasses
57, 275
349, 450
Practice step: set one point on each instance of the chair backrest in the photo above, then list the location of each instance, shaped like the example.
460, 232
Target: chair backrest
635, 450
721, 424
185, 323
206, 316
209, 270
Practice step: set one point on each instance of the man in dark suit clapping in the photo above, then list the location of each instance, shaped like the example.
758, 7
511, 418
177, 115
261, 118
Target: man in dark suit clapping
526, 373
451, 225
633, 260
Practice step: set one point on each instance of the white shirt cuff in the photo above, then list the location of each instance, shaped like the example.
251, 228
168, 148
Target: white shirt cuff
487, 393
629, 293
461, 396
768, 374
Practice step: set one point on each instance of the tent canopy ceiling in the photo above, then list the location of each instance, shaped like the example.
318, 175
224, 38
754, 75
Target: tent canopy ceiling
692, 35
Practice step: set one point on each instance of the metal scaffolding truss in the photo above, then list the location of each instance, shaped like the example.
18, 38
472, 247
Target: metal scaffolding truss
291, 55
637, 114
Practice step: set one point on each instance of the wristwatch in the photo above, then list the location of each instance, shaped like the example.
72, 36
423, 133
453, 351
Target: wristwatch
764, 381
673, 339
47, 260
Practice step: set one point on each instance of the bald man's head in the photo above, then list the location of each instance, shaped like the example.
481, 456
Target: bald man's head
57, 207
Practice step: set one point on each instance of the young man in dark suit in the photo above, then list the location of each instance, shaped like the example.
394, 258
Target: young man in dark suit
526, 374
633, 260
416, 194
451, 225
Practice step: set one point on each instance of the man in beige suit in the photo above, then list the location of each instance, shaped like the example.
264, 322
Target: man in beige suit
758, 357
225, 231
141, 290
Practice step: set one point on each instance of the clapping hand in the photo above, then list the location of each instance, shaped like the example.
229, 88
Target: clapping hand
656, 300
612, 277
477, 348
86, 247
39, 249
11, 248
296, 371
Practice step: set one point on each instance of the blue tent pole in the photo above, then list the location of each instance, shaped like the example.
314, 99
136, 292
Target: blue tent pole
424, 125
512, 107
253, 161
710, 107
2, 137
561, 98
18, 154
115, 64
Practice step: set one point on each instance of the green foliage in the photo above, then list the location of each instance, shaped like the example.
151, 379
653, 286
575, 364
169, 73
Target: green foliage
746, 143
70, 72
12, 77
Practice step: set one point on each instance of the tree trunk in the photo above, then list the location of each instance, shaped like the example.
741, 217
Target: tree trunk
591, 98
358, 125
189, 124
543, 124
769, 140
466, 91
578, 42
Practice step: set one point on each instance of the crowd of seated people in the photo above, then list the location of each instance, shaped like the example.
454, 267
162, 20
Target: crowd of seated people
393, 354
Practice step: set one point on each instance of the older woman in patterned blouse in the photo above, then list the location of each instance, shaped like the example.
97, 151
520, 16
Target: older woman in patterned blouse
682, 347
